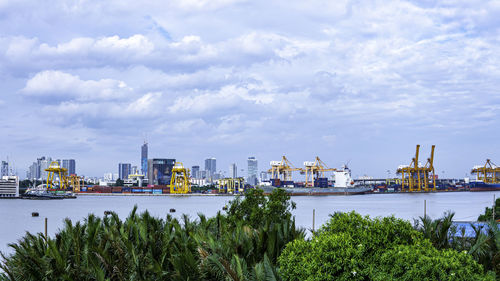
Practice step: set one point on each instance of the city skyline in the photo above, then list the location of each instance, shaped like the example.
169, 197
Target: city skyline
351, 82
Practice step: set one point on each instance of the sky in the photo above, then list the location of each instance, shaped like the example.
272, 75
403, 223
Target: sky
357, 82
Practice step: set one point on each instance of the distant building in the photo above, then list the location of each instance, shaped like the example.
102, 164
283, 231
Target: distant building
210, 167
134, 171
4, 169
124, 170
43, 164
160, 171
144, 159
233, 171
263, 176
9, 186
108, 177
252, 170
195, 172
70, 165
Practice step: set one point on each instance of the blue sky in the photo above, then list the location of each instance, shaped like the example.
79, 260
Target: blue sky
350, 81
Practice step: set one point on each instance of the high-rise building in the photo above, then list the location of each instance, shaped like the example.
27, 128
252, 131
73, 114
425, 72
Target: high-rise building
233, 171
195, 172
263, 176
134, 170
4, 169
70, 165
43, 164
144, 159
210, 167
252, 170
124, 170
160, 171
108, 177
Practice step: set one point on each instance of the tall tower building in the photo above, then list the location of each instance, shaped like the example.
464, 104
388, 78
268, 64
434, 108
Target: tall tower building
144, 159
233, 171
195, 172
210, 167
252, 170
70, 165
4, 170
124, 170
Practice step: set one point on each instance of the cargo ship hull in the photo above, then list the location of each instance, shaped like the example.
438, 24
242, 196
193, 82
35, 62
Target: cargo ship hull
321, 191
481, 186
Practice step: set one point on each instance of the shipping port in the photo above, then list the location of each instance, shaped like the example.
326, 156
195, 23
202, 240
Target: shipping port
318, 179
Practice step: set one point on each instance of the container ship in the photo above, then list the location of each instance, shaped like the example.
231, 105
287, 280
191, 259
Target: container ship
487, 177
343, 185
482, 186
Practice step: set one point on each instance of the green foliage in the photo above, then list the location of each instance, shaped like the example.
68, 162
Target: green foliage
488, 212
482, 247
352, 247
143, 247
119, 182
440, 231
258, 210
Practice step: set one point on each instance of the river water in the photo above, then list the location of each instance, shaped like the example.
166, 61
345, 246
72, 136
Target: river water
16, 219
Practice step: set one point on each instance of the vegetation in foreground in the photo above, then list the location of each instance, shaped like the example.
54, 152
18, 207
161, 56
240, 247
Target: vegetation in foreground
255, 239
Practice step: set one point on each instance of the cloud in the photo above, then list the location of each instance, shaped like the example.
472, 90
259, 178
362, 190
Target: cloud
231, 76
63, 86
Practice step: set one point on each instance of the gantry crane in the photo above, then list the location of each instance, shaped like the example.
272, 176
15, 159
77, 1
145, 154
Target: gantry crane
231, 185
417, 177
179, 182
55, 169
282, 170
76, 182
315, 170
489, 173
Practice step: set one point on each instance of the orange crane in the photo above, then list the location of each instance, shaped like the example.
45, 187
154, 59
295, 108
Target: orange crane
315, 170
489, 173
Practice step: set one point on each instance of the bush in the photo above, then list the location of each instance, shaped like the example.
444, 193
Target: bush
352, 247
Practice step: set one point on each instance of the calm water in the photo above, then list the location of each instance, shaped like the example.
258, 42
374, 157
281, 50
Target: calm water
15, 215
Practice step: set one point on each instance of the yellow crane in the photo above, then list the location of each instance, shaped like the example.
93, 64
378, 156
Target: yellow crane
315, 170
488, 173
282, 170
76, 182
231, 185
55, 169
179, 182
418, 177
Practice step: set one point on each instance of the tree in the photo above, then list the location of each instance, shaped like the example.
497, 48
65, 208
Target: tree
488, 212
258, 210
119, 182
352, 247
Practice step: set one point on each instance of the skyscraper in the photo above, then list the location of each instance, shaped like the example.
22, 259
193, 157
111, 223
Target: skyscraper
70, 165
4, 171
233, 171
195, 172
160, 171
252, 171
144, 159
210, 167
124, 170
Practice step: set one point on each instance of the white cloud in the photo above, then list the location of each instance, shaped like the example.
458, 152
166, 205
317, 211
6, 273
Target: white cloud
65, 86
256, 72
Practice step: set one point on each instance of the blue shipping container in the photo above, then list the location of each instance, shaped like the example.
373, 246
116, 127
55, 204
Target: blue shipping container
84, 188
147, 190
137, 190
